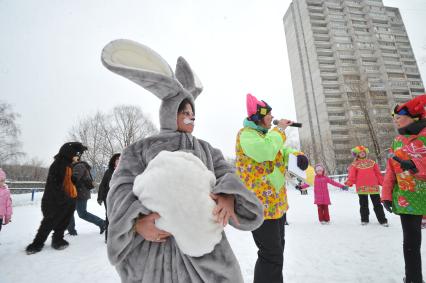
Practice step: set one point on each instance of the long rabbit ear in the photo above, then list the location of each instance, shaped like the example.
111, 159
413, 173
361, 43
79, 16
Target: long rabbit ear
188, 78
142, 65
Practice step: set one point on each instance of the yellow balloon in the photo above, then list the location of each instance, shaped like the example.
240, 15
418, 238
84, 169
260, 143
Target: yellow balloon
310, 175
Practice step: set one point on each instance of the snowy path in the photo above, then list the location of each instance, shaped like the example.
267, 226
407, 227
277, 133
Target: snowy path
344, 251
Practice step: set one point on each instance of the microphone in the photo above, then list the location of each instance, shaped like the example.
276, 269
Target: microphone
297, 125
399, 160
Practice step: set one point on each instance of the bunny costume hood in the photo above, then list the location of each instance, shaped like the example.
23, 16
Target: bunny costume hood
146, 68
140, 260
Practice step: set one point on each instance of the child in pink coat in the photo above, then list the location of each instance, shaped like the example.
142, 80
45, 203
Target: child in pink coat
5, 201
322, 197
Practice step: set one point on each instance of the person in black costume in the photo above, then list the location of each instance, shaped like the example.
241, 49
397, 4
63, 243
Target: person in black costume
58, 201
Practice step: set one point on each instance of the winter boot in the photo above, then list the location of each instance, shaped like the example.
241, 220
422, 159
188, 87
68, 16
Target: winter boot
72, 232
364, 223
59, 244
33, 248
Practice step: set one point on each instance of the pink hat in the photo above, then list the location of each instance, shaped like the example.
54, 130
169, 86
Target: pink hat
256, 109
2, 175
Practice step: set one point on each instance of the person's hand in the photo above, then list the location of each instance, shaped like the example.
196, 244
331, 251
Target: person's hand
224, 209
345, 188
302, 162
388, 205
283, 124
100, 202
145, 226
407, 165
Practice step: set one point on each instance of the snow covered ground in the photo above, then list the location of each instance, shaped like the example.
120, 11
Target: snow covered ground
343, 251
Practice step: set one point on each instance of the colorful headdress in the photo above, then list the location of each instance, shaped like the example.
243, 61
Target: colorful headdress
415, 108
256, 109
358, 149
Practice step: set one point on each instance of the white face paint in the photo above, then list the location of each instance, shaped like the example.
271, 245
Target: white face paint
188, 121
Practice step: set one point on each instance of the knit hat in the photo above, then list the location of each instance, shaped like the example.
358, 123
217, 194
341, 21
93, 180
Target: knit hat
2, 175
256, 109
358, 149
415, 108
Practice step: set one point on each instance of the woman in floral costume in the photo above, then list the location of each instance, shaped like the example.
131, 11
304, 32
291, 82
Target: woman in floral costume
365, 174
404, 186
260, 163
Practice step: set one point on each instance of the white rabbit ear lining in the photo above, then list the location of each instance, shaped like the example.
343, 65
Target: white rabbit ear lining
128, 54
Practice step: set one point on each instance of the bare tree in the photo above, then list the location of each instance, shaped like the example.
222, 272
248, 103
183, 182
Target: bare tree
32, 170
130, 124
360, 97
325, 157
106, 134
10, 146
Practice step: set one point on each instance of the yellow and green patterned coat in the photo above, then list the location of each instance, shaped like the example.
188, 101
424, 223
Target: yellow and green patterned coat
260, 163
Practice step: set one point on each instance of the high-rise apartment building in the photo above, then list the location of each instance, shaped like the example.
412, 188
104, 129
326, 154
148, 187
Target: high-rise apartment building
351, 62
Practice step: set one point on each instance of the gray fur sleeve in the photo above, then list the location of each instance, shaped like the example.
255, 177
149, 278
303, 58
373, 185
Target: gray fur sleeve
248, 208
123, 206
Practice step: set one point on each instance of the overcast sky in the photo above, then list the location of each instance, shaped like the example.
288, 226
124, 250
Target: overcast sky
50, 68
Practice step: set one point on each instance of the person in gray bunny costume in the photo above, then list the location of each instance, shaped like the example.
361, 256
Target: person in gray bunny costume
140, 251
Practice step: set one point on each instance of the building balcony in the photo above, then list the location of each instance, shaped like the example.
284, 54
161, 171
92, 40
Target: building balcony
324, 52
395, 55
356, 4
328, 68
320, 30
333, 5
387, 47
326, 59
380, 17
349, 70
376, 86
321, 37
394, 69
317, 16
388, 62
360, 25
339, 127
398, 85
399, 32
328, 74
411, 70
402, 40
374, 3
417, 93
415, 84
319, 23
315, 9
322, 44
331, 91
330, 83
333, 100
314, 3
347, 56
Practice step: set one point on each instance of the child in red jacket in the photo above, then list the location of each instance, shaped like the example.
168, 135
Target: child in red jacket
365, 174
321, 195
